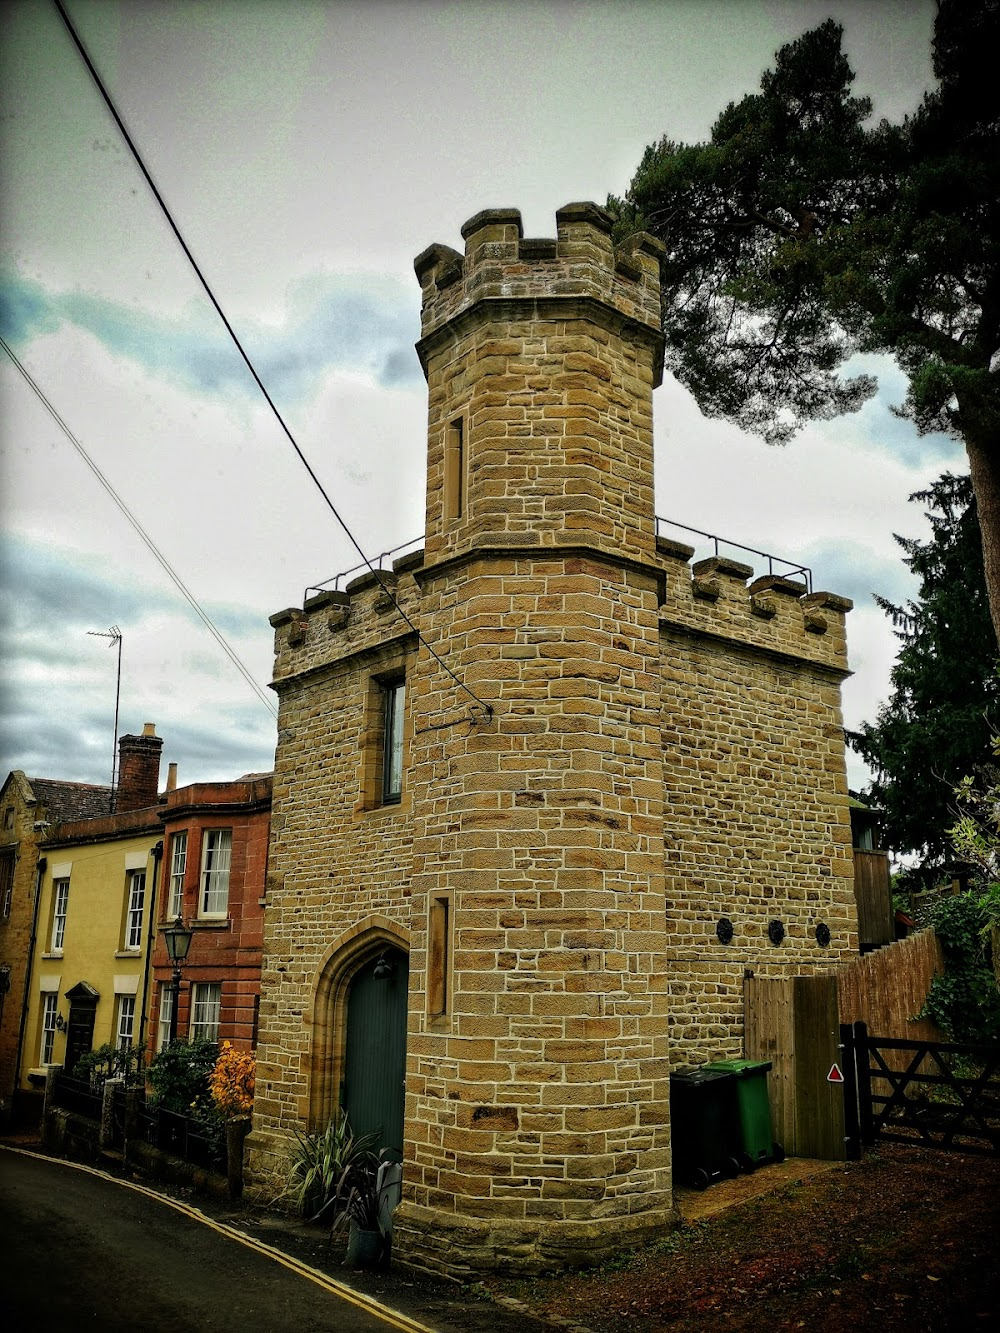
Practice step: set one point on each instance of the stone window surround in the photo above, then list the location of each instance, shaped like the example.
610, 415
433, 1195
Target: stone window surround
378, 681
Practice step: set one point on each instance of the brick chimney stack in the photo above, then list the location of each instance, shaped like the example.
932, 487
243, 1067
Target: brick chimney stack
138, 770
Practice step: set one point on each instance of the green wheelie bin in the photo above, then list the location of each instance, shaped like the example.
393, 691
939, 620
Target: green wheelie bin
704, 1131
753, 1110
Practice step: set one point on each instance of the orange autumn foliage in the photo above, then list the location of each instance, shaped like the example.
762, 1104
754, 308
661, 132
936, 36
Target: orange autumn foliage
232, 1081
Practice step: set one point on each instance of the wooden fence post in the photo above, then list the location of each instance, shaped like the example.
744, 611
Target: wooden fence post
863, 1065
852, 1127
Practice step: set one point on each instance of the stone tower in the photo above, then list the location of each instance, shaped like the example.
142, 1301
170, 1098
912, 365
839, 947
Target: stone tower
537, 1087
544, 822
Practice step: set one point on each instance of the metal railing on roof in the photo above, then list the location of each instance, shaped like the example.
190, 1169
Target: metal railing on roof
380, 562
776, 564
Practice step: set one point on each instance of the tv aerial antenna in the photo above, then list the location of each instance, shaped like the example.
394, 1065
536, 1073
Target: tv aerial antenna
115, 636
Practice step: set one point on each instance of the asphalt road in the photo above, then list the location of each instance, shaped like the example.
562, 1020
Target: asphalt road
81, 1251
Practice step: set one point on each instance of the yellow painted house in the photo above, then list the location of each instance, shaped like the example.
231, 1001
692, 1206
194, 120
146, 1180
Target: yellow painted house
89, 971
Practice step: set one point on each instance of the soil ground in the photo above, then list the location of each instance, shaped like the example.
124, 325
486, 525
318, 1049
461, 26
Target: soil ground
906, 1239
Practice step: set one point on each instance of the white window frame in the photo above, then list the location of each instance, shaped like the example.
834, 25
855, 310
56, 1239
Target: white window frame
50, 1012
135, 888
125, 1022
393, 719
216, 859
167, 998
178, 869
60, 904
206, 1010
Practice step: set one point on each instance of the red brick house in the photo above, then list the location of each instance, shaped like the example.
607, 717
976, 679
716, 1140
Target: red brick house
215, 838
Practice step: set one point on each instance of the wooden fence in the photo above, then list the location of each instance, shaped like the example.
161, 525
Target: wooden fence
795, 1023
887, 989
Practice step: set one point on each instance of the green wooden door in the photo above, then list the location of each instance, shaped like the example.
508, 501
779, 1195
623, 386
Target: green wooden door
375, 1068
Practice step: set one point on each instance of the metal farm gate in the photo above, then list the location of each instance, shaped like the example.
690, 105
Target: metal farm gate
931, 1094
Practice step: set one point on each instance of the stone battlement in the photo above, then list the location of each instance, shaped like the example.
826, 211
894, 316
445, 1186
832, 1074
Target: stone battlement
717, 597
720, 598
333, 626
501, 264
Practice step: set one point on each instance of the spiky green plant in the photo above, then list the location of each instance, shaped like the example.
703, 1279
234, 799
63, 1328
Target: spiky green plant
325, 1166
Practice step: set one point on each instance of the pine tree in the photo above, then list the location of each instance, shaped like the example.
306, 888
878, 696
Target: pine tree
801, 233
945, 706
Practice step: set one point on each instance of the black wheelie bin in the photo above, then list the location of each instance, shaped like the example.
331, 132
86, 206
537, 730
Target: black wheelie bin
704, 1127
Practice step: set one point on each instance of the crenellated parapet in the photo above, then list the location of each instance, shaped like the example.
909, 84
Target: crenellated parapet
501, 264
719, 598
334, 626
541, 357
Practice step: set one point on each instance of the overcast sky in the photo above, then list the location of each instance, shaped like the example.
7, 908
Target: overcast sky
308, 152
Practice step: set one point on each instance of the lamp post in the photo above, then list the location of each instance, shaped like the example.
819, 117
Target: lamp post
178, 940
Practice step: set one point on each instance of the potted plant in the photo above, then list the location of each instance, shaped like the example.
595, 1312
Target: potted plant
362, 1210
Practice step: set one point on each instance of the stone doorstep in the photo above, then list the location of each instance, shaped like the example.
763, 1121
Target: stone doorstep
694, 1205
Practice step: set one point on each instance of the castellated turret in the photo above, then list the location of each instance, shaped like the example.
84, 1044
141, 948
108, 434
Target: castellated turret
506, 827
541, 357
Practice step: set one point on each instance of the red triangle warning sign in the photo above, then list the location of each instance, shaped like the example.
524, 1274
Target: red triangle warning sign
835, 1076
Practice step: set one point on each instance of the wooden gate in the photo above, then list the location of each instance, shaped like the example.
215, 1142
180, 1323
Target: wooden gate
794, 1023
931, 1094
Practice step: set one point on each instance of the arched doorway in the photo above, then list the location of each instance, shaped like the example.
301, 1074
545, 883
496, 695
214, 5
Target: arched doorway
375, 1057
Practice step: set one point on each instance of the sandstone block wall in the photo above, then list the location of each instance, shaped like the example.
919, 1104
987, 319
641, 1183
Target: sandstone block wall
19, 847
757, 826
337, 860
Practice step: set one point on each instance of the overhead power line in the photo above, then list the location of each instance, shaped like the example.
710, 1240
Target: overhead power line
488, 708
161, 558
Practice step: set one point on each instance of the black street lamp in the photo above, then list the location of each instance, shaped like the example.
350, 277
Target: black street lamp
178, 940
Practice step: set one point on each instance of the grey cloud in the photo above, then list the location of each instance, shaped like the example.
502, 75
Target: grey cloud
50, 723
359, 324
25, 310
401, 367
856, 571
878, 428
39, 586
54, 741
43, 587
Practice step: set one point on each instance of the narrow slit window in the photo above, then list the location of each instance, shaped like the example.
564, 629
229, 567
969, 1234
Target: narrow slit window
178, 869
136, 890
216, 856
126, 1022
205, 1012
60, 904
454, 480
6, 884
394, 699
50, 1012
166, 1015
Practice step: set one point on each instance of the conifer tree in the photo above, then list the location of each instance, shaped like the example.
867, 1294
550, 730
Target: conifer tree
937, 726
